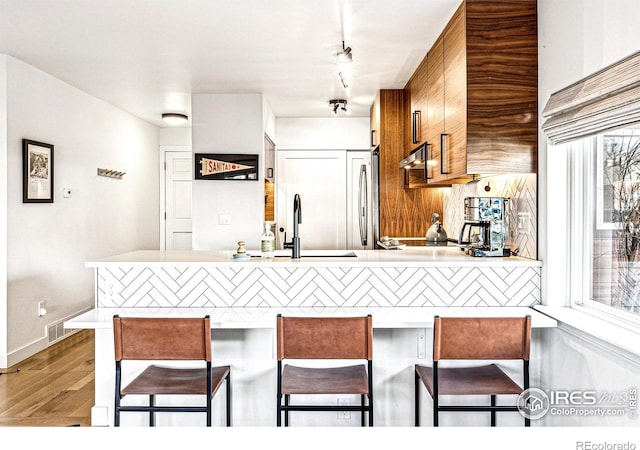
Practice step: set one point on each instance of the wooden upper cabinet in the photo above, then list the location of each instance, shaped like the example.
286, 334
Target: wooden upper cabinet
435, 112
480, 92
415, 112
453, 142
502, 86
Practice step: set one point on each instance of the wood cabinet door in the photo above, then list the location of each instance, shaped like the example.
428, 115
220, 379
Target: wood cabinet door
454, 155
374, 120
435, 111
408, 132
418, 118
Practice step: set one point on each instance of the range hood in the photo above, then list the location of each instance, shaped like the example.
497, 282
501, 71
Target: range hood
416, 158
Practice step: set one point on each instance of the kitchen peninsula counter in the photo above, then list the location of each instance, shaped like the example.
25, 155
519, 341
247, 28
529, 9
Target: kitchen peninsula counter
402, 289
414, 256
416, 277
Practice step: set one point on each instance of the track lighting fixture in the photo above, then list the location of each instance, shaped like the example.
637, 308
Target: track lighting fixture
345, 55
338, 104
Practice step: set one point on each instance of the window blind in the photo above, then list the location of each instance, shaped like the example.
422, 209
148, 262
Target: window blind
603, 101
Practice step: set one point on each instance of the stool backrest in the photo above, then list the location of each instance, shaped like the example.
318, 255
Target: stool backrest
325, 337
481, 338
162, 338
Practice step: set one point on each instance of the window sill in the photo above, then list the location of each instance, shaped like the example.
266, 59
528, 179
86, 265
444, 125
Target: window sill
612, 335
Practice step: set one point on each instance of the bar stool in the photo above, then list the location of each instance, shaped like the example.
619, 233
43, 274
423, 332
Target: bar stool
167, 339
457, 338
324, 338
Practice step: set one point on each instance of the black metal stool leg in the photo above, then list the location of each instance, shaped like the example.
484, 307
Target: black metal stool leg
416, 399
435, 410
152, 416
286, 411
228, 399
493, 411
279, 410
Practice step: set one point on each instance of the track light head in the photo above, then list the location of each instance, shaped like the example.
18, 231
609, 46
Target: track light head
345, 56
338, 104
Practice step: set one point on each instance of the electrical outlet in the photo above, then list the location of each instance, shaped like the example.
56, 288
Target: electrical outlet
344, 414
422, 344
524, 219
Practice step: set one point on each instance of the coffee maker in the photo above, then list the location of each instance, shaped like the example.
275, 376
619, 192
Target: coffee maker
485, 231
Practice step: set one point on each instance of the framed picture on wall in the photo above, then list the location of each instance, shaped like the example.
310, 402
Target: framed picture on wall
226, 166
37, 172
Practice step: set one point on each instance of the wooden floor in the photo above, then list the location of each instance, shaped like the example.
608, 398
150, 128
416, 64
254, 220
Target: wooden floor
54, 388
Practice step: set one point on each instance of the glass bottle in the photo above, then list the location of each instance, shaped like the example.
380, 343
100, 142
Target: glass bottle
267, 242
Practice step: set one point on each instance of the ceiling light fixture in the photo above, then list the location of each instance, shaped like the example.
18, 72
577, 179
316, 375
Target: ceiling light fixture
345, 56
175, 118
338, 104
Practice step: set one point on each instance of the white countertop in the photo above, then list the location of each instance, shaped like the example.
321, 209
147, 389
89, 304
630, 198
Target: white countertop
408, 257
246, 318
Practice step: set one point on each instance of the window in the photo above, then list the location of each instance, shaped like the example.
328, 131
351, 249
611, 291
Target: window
605, 215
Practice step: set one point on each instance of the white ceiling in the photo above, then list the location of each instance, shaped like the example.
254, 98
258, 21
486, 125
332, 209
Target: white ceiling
148, 56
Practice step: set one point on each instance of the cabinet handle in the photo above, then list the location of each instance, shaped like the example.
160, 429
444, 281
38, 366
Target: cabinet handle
415, 129
428, 158
372, 138
444, 154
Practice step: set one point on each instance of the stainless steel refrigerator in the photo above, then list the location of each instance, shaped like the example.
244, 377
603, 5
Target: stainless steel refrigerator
375, 197
359, 204
335, 187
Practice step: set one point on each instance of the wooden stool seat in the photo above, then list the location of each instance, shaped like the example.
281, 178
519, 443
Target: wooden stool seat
482, 380
332, 380
159, 380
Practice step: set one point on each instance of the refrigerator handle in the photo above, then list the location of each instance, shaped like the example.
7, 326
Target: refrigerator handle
363, 206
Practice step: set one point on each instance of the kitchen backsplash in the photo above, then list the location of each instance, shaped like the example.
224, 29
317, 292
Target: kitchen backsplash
523, 213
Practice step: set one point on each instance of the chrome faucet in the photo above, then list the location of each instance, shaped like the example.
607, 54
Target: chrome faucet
294, 245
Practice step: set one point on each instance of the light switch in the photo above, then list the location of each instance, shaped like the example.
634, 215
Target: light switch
224, 219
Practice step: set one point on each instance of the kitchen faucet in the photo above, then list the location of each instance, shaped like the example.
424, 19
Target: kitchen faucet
297, 219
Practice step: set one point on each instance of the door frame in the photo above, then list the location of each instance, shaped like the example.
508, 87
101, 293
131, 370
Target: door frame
163, 187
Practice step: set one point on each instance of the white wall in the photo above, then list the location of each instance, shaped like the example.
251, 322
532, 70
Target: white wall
174, 136
228, 123
4, 329
576, 38
339, 133
48, 244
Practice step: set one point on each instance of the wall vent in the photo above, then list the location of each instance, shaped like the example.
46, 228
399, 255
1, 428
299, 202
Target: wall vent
56, 330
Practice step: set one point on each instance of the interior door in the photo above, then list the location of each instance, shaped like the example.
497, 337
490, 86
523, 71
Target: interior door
178, 183
319, 176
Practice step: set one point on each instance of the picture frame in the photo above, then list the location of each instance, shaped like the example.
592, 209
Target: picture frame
37, 172
226, 166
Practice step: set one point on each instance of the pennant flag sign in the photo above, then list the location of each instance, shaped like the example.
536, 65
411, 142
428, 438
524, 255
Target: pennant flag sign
213, 166
209, 166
